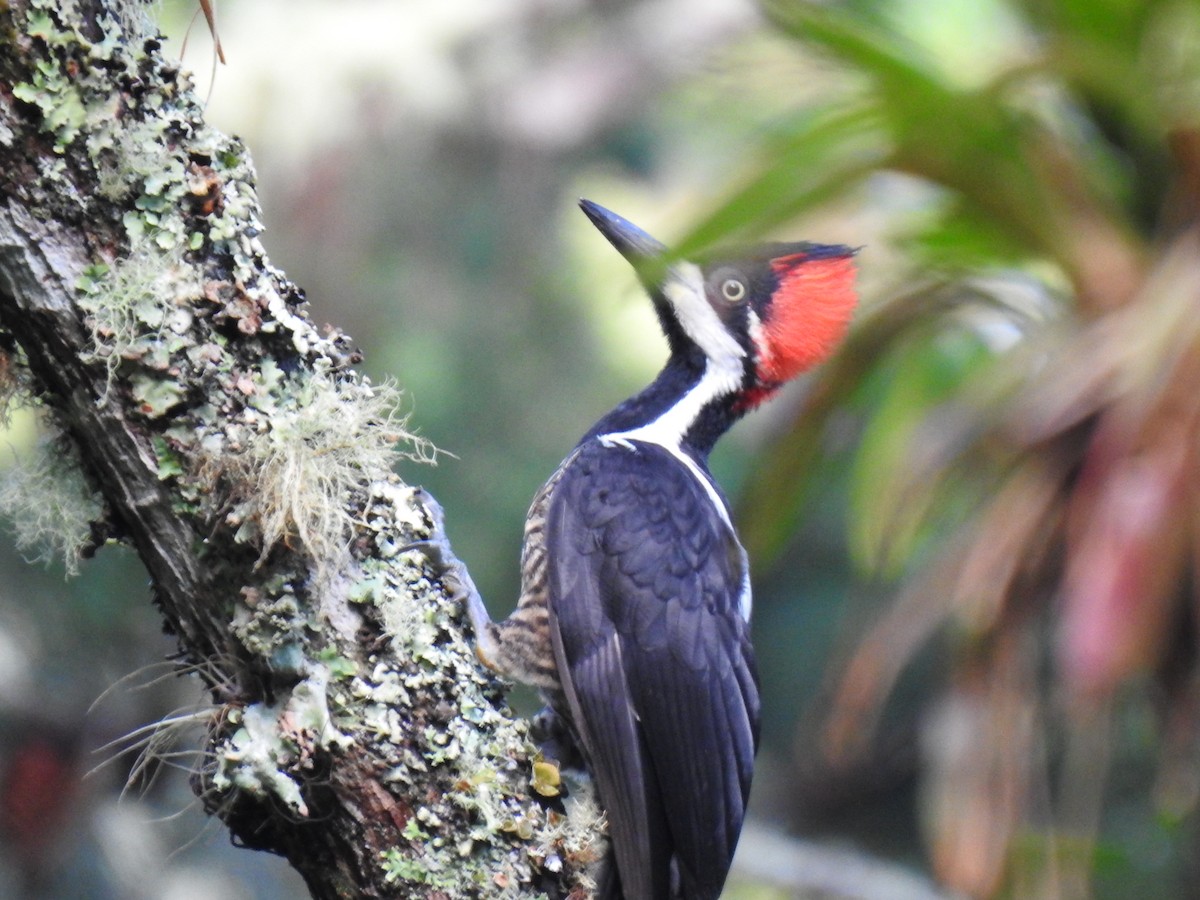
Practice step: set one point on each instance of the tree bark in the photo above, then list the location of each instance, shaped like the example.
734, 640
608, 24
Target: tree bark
235, 447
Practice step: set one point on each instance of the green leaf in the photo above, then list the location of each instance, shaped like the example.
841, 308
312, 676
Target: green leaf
890, 509
978, 142
825, 153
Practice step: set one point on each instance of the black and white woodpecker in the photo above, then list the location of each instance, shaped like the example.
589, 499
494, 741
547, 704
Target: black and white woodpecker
633, 619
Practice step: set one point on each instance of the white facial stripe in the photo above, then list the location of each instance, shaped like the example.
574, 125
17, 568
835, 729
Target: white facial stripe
723, 372
668, 429
684, 290
758, 337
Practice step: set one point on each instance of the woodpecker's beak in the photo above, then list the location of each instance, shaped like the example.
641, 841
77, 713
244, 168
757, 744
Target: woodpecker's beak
632, 243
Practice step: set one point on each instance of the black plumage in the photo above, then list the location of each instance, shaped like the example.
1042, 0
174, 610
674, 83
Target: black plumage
657, 671
635, 597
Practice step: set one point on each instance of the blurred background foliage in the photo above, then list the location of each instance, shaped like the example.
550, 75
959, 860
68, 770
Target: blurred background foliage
974, 531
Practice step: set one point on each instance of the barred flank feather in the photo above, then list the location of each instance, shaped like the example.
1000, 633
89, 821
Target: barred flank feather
523, 639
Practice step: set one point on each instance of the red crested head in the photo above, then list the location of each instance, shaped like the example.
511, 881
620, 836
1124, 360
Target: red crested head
807, 314
739, 323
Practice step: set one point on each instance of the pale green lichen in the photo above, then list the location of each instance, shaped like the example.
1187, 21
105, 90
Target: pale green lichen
271, 739
137, 310
69, 104
308, 710
254, 758
268, 621
292, 466
50, 504
62, 108
486, 755
255, 419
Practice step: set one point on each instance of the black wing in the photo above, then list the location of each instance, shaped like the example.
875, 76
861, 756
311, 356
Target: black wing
645, 580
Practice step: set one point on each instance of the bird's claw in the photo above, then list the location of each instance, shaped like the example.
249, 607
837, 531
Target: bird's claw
451, 570
553, 737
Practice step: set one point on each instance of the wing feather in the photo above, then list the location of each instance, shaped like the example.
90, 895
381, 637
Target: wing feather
655, 660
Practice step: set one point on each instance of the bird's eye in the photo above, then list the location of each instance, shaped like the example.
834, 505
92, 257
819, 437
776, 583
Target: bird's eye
733, 290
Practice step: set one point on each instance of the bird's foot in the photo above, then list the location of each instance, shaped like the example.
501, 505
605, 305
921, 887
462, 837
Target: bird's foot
553, 737
456, 580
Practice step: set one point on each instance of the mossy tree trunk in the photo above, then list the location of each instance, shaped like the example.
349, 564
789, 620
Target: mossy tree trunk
239, 452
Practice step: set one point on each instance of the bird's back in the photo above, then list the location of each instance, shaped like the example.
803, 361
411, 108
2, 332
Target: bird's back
645, 587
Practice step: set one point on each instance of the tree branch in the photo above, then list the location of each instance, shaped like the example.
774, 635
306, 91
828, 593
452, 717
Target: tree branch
238, 451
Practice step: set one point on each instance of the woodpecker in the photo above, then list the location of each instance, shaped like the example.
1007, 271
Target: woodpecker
633, 619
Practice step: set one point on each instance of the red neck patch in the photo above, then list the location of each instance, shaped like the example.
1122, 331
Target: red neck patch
808, 315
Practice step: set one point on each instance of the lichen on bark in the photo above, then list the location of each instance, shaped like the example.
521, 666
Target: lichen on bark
237, 449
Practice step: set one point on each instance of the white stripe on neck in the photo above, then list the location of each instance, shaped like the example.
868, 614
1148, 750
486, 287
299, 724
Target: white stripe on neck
722, 376
723, 369
670, 427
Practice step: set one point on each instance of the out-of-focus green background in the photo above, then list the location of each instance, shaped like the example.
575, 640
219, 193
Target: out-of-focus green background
972, 532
